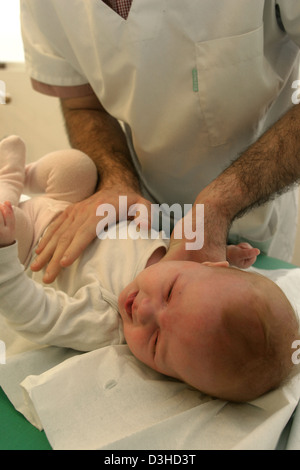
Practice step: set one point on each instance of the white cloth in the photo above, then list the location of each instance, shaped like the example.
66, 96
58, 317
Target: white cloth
195, 83
106, 399
80, 309
128, 406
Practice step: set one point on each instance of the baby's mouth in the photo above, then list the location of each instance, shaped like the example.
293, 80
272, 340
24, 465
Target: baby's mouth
129, 302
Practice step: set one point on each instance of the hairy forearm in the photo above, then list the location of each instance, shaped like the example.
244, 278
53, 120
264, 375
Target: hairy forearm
92, 130
268, 168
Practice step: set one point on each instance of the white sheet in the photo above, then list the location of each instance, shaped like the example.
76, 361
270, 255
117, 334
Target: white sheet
106, 399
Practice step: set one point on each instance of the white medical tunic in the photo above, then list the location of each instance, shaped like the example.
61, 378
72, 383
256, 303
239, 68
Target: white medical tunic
195, 83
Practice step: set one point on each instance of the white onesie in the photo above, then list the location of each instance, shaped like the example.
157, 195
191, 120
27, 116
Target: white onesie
80, 309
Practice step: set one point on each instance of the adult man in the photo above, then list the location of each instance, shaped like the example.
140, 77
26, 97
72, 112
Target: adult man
196, 85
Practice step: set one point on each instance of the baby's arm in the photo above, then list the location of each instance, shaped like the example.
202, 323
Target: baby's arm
45, 315
242, 255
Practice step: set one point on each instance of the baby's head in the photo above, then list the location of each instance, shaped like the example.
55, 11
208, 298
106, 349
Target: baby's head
224, 331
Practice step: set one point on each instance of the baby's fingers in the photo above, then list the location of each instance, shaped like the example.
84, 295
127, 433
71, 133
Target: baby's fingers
249, 260
8, 215
249, 253
7, 208
7, 224
242, 255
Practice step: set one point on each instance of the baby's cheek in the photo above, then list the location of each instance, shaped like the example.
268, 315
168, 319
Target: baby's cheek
129, 338
136, 343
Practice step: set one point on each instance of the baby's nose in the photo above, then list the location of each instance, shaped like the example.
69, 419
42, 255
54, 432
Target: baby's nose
145, 311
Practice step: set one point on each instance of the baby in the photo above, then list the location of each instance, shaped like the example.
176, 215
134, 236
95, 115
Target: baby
224, 331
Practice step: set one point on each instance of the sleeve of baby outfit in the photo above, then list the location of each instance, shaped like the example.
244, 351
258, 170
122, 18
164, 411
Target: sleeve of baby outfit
290, 18
53, 71
47, 316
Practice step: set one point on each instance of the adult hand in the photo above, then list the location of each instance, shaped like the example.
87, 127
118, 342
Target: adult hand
242, 255
75, 228
200, 236
238, 188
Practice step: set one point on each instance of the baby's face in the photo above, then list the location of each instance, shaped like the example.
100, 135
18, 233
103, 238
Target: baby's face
169, 313
204, 323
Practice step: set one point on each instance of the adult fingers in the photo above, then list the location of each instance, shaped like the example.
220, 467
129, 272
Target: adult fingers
82, 238
51, 231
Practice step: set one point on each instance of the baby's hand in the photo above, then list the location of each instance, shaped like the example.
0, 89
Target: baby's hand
242, 255
7, 225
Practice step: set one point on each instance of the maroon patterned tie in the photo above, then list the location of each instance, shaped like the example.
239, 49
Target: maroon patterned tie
122, 7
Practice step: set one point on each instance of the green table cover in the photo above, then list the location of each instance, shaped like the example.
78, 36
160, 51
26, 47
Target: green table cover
16, 433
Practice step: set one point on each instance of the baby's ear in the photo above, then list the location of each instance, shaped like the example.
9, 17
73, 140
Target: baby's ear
216, 264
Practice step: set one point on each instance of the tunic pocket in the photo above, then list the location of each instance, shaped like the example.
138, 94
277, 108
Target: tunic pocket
236, 85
